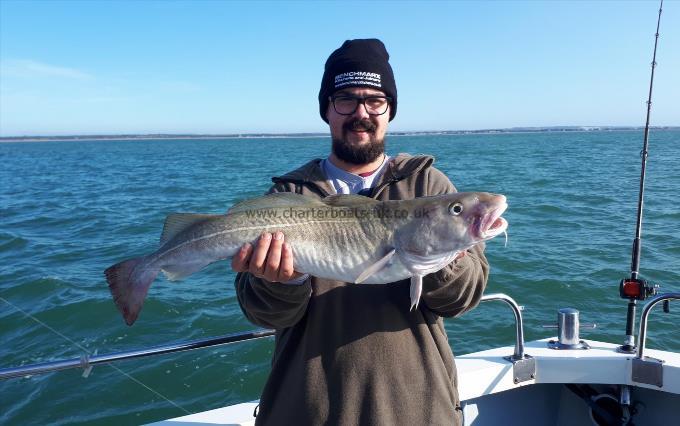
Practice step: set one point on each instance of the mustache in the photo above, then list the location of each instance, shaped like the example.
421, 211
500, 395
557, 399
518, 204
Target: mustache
359, 125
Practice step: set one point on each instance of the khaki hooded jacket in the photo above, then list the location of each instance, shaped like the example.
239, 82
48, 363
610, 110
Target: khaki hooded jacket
354, 354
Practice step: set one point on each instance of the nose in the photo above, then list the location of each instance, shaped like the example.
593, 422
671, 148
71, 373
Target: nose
361, 111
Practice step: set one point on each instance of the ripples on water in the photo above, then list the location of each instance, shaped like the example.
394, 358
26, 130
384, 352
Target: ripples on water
71, 209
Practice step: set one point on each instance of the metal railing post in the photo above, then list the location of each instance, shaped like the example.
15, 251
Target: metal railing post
642, 335
523, 365
519, 327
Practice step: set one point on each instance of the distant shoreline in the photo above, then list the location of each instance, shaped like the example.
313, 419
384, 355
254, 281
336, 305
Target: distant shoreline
141, 137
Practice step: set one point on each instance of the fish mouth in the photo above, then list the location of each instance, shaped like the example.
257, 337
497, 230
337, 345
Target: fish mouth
492, 224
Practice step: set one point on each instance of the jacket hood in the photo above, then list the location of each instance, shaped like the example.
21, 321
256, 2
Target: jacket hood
399, 167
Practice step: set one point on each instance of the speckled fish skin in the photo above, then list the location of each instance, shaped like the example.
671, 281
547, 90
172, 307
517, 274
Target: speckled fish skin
348, 238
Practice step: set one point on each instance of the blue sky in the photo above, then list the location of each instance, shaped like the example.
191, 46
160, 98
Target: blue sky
83, 67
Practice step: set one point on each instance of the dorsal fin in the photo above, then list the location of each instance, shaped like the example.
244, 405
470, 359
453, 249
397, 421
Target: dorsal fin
178, 222
275, 200
349, 200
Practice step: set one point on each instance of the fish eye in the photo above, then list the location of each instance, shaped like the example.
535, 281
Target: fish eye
455, 209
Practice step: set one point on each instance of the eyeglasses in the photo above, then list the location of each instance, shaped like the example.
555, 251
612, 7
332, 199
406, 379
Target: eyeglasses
347, 105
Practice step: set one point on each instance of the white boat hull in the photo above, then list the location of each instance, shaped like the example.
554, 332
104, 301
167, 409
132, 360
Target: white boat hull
490, 396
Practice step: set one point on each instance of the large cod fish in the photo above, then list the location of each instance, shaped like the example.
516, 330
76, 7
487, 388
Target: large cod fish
349, 238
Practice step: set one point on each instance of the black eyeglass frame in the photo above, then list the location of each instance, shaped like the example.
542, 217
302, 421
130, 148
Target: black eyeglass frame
361, 100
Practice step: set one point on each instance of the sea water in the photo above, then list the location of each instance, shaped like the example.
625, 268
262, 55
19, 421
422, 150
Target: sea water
70, 209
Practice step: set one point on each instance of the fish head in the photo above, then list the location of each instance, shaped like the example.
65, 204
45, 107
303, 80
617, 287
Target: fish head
485, 221
453, 222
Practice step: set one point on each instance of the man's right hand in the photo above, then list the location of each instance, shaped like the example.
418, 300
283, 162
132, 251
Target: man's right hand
270, 259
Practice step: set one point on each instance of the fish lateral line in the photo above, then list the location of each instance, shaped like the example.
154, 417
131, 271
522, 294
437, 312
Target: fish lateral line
244, 228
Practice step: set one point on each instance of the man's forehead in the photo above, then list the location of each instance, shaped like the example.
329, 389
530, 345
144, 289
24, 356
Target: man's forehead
364, 91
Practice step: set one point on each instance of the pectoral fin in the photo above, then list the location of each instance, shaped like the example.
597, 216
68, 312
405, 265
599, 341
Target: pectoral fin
377, 266
416, 290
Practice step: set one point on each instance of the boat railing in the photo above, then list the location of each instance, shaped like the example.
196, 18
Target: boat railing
519, 327
642, 335
523, 365
645, 369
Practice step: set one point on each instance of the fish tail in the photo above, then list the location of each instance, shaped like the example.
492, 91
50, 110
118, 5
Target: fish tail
129, 287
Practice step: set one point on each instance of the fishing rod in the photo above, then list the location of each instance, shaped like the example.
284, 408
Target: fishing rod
635, 288
86, 362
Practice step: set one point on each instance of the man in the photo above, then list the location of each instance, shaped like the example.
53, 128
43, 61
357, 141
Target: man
346, 353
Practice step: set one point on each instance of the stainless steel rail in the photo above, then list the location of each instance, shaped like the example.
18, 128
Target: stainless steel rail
642, 335
87, 361
519, 341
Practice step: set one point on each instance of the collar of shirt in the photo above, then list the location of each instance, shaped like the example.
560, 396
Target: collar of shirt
345, 182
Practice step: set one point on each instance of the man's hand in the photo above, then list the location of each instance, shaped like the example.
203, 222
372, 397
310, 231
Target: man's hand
271, 259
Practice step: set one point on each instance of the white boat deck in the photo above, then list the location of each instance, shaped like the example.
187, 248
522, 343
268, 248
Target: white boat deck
487, 373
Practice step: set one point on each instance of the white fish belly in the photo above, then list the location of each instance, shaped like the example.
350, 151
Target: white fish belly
346, 266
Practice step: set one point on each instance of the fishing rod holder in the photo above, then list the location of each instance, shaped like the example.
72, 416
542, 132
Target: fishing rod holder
523, 365
633, 289
646, 369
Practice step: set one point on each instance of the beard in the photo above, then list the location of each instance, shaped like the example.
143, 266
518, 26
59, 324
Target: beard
358, 154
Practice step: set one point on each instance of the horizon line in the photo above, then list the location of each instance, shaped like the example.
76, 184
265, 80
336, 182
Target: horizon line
245, 135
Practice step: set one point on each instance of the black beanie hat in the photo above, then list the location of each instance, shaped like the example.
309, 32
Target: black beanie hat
358, 63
